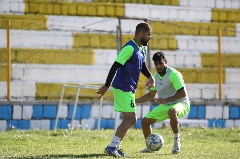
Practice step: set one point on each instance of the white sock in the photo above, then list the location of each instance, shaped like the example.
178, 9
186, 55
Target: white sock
114, 141
118, 144
176, 136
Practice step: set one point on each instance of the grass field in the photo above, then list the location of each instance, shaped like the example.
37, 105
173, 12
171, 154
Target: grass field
199, 143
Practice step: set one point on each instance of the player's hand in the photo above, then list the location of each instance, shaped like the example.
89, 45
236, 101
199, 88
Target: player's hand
150, 83
160, 100
102, 90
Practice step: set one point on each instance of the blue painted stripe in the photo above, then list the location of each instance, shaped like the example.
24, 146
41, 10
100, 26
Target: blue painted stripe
234, 112
201, 112
86, 111
37, 112
110, 123
78, 113
19, 124
11, 123
52, 123
23, 124
221, 123
64, 123
138, 124
193, 112
49, 111
213, 123
6, 112
102, 124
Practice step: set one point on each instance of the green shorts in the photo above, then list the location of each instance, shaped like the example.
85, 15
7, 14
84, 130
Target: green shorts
124, 101
160, 113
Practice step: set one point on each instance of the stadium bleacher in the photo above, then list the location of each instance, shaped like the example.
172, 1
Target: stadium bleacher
70, 41
64, 15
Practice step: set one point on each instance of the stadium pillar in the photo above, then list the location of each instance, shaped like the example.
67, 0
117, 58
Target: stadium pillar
220, 63
120, 32
8, 62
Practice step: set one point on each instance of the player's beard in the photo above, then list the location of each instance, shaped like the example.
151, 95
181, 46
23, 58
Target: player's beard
144, 42
161, 71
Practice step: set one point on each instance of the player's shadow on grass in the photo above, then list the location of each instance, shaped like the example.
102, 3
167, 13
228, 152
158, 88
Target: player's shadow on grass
165, 154
63, 156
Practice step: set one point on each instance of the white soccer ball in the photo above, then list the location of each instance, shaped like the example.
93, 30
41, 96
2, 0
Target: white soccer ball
154, 142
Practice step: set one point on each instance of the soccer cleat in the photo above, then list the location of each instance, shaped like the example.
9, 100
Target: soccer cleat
176, 146
112, 151
147, 150
175, 150
120, 152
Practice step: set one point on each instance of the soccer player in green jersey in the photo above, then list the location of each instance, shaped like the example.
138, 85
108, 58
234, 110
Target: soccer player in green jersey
172, 98
129, 64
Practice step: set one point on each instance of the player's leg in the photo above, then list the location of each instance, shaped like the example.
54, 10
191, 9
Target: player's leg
123, 102
146, 126
129, 120
156, 115
174, 123
147, 130
176, 111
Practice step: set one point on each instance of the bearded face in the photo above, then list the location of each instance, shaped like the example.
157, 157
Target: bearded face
145, 38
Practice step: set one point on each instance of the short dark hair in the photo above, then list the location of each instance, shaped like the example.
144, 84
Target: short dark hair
143, 26
158, 56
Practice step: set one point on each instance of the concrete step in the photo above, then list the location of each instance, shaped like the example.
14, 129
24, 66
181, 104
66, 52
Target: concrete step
228, 60
24, 22
193, 28
221, 4
105, 24
208, 44
68, 40
226, 15
25, 90
49, 56
37, 39
60, 73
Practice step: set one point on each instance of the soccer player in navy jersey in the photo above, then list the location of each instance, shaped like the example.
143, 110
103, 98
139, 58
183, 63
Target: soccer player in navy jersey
172, 98
130, 62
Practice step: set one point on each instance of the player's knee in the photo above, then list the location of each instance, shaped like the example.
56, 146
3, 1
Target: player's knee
132, 119
145, 121
172, 113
